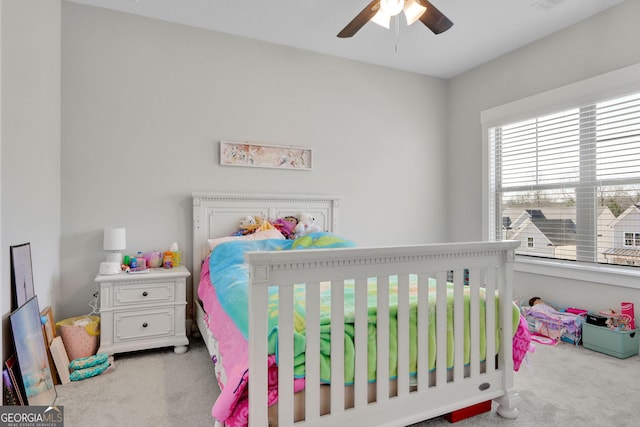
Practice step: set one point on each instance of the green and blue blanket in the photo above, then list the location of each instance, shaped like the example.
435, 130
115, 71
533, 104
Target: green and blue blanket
229, 276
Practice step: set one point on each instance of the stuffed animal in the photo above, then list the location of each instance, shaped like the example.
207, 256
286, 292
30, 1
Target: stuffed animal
306, 224
248, 225
153, 259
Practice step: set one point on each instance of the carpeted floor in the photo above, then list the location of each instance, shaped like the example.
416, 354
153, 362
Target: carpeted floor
560, 386
148, 388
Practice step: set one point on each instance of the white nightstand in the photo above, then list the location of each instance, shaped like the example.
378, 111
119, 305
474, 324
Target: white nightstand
141, 311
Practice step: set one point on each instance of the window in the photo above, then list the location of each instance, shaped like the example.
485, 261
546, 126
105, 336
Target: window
632, 239
570, 181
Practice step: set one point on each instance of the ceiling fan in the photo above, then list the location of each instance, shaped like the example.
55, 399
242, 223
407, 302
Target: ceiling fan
381, 11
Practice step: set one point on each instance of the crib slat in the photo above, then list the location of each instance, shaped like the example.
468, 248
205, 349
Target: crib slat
382, 371
312, 352
362, 333
403, 334
285, 354
458, 324
441, 328
337, 347
490, 302
474, 323
258, 351
423, 331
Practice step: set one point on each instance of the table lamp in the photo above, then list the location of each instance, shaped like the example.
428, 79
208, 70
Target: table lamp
115, 240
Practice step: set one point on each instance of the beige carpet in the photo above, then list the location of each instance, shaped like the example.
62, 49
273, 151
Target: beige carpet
148, 388
560, 386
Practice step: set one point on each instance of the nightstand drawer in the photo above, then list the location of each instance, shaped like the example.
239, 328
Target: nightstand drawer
135, 325
124, 295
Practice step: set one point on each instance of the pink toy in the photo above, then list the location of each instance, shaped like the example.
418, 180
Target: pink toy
627, 311
284, 226
153, 259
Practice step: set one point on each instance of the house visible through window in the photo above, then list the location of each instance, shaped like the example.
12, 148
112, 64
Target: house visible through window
570, 181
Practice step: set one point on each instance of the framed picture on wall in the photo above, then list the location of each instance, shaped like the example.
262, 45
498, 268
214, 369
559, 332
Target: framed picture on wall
21, 275
234, 153
28, 340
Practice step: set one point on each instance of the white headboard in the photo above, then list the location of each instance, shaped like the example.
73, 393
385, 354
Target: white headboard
219, 214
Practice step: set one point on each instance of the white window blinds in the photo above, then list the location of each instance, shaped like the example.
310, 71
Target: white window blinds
567, 184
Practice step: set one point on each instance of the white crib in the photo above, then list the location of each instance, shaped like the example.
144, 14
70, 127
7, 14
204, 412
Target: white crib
403, 400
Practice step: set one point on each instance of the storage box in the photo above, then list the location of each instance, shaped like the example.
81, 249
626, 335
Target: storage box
621, 344
468, 412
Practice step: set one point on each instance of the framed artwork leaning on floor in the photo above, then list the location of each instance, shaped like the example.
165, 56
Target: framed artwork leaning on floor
29, 343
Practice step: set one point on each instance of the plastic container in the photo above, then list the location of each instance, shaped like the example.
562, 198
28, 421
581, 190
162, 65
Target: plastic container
176, 258
80, 335
168, 260
620, 344
142, 263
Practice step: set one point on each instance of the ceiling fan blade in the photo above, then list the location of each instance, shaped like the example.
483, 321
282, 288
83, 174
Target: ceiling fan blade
434, 19
362, 18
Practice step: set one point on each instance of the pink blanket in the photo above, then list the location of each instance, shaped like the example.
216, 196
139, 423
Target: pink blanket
232, 406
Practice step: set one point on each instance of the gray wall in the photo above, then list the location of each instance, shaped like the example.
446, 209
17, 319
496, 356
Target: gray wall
146, 102
30, 147
603, 43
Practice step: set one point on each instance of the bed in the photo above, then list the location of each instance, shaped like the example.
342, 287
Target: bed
387, 374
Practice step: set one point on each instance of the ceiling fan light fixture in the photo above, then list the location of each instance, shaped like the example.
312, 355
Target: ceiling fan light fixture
382, 19
381, 11
413, 11
391, 7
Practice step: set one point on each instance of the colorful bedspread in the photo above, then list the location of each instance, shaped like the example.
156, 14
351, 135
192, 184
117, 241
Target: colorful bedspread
229, 274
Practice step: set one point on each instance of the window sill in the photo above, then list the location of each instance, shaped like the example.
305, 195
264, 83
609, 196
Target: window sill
609, 275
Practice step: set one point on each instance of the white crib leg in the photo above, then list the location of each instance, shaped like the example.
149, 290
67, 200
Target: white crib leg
507, 404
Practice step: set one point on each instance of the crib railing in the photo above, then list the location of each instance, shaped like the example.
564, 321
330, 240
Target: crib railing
431, 392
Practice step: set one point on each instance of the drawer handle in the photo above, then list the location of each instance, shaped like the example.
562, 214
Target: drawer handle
145, 293
145, 324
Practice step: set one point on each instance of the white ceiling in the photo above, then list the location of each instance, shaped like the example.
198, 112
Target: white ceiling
483, 29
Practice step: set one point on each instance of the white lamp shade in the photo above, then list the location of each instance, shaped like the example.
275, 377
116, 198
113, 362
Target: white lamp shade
382, 19
115, 239
391, 7
413, 11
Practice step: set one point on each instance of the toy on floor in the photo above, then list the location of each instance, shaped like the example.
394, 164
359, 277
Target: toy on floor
87, 367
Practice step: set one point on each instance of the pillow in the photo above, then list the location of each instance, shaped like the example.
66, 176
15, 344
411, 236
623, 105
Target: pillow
271, 233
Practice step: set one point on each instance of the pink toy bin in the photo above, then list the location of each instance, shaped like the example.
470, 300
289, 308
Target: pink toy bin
80, 335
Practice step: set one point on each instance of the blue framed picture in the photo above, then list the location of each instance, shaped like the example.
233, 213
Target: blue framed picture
26, 327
